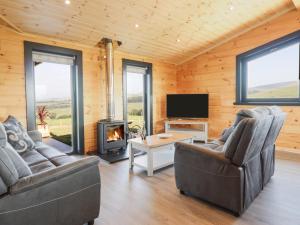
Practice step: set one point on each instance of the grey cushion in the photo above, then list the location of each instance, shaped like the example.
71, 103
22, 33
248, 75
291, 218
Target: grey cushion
63, 160
252, 140
48, 151
233, 140
257, 113
17, 136
20, 165
275, 110
33, 157
3, 138
226, 133
243, 114
251, 113
8, 172
41, 167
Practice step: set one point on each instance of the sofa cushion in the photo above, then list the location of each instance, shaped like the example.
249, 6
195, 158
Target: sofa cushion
252, 141
62, 160
33, 157
275, 110
246, 113
251, 113
19, 163
41, 167
242, 114
17, 136
3, 137
226, 133
8, 172
47, 151
233, 140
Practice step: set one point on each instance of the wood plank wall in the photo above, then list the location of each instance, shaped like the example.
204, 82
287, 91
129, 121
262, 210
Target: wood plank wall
12, 82
215, 72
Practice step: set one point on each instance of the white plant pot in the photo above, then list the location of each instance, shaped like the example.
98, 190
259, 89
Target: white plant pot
44, 129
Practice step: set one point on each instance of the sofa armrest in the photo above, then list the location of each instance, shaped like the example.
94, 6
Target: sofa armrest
209, 175
203, 159
39, 179
201, 151
35, 135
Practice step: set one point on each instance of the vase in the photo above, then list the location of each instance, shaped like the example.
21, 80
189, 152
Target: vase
44, 129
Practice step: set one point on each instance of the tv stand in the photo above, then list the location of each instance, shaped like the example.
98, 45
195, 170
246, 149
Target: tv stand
200, 133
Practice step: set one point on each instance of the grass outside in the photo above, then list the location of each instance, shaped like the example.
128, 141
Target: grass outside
60, 120
60, 126
135, 113
291, 91
136, 120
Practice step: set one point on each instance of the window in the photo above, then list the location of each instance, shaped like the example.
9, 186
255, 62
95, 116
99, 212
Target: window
269, 74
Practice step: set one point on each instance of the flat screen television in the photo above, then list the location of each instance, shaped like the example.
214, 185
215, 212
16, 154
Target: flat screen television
187, 106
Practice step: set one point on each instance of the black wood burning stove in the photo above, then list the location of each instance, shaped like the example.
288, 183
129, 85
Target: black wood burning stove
111, 137
111, 133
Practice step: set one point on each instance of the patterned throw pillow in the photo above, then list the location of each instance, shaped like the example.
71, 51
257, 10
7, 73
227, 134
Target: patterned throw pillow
17, 136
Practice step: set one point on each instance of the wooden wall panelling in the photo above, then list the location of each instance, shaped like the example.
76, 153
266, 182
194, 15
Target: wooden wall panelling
12, 83
214, 72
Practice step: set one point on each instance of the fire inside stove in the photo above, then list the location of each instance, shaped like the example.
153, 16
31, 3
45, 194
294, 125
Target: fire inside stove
115, 133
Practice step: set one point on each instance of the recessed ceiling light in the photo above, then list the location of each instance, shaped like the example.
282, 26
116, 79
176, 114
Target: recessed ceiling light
136, 26
231, 7
67, 2
178, 40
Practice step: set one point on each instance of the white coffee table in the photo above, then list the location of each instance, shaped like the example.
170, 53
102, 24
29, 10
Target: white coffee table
160, 151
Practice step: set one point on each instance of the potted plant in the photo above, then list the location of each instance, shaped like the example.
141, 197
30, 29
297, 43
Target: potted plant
136, 131
42, 115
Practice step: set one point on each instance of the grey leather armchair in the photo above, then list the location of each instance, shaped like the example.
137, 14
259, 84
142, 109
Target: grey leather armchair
231, 174
62, 190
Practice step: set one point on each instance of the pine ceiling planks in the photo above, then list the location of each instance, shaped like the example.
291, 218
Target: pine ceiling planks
170, 30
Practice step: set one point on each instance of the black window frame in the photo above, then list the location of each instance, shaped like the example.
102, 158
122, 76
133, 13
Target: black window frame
77, 92
241, 71
148, 82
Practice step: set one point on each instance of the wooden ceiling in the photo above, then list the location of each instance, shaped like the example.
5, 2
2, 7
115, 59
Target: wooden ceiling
169, 30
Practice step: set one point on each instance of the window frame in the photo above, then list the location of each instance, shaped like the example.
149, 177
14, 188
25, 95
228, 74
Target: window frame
77, 92
148, 83
241, 71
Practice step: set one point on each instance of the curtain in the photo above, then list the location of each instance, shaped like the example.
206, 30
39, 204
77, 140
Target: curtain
39, 57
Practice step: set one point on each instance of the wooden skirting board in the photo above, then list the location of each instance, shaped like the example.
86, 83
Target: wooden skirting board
288, 153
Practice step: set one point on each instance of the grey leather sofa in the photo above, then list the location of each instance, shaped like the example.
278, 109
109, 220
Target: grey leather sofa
231, 173
62, 190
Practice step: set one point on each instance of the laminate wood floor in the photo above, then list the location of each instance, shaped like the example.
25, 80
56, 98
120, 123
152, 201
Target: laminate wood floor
135, 199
